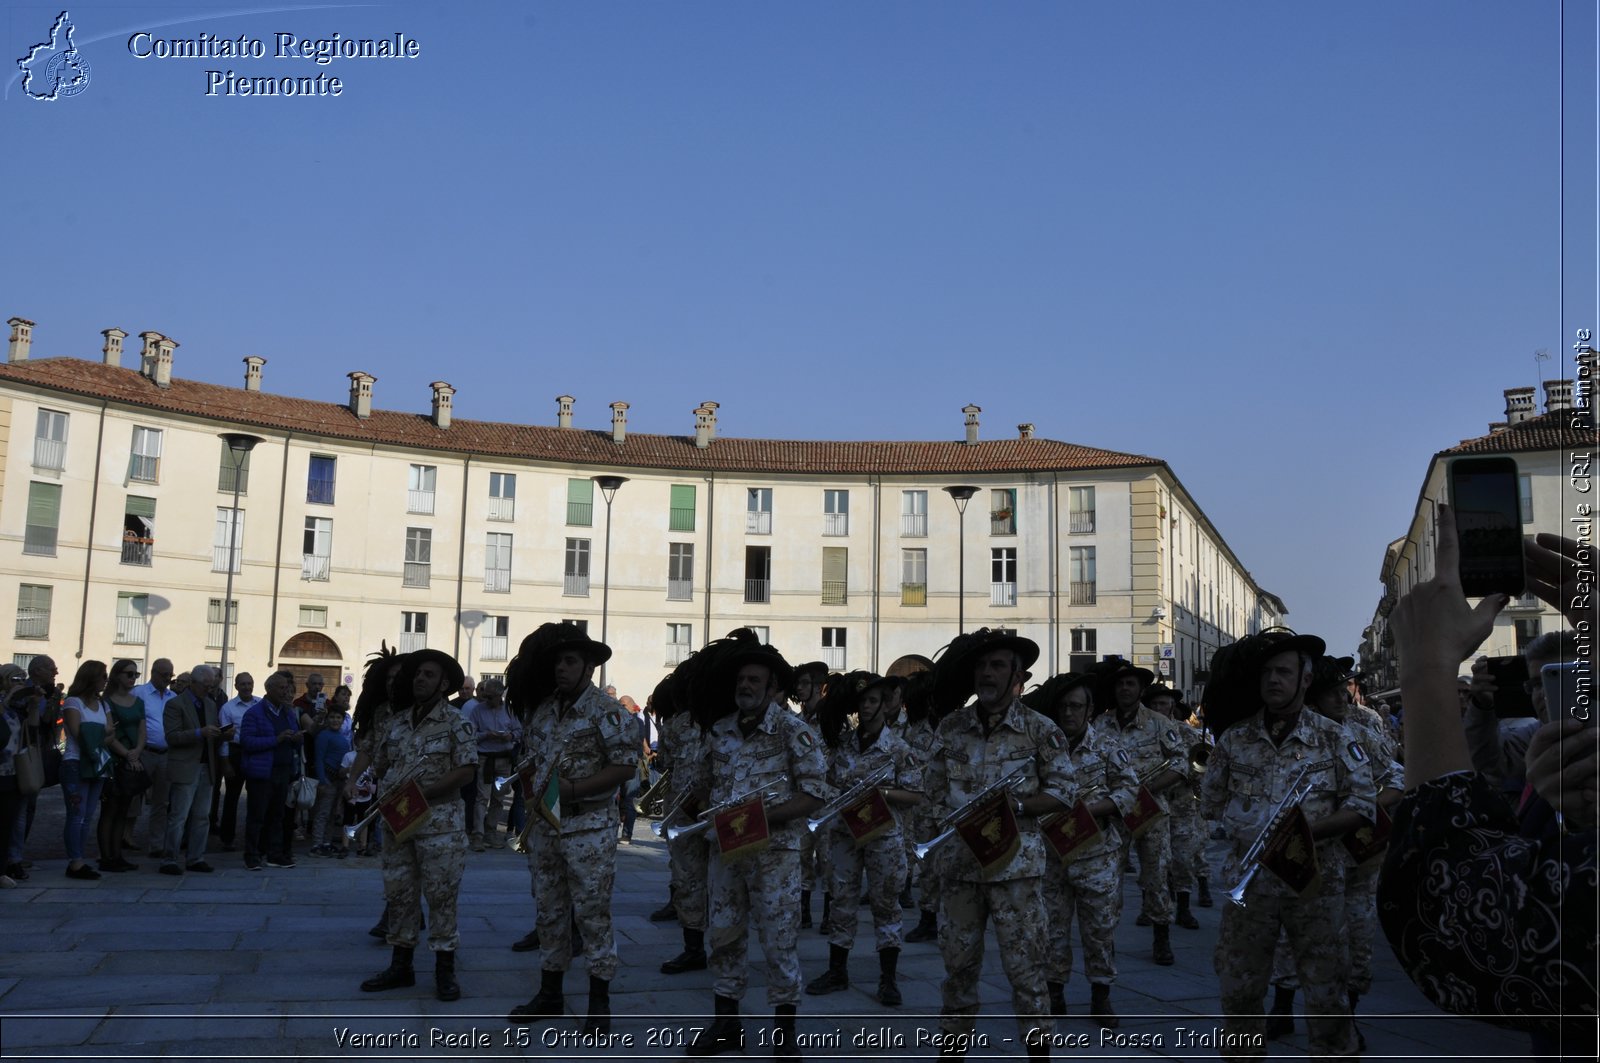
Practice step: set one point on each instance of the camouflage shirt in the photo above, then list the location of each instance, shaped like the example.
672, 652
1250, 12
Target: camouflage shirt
1100, 768
849, 764
682, 752
427, 751
1152, 741
784, 754
595, 733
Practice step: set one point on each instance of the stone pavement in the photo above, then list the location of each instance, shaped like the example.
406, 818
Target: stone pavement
266, 964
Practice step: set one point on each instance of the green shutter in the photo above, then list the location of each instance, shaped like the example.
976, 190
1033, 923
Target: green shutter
680, 516
580, 491
44, 505
141, 507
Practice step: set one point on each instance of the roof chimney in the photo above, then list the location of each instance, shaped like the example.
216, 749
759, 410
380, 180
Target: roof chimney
442, 393
163, 368
1557, 395
1519, 405
705, 424
619, 422
1494, 427
147, 357
252, 372
113, 348
361, 393
972, 422
21, 339
564, 411
1025, 431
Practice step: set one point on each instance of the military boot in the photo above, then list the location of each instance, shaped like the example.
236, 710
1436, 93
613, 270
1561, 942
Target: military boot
836, 977
1280, 1022
888, 990
1057, 992
444, 976
1100, 1010
599, 1019
927, 928
1204, 900
396, 976
724, 1034
805, 909
1163, 947
548, 1003
1185, 918
693, 956
783, 1044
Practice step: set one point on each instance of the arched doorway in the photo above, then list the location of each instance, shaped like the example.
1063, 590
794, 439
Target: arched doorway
312, 651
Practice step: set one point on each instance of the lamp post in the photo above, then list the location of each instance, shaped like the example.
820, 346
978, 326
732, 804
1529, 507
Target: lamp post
608, 488
470, 620
961, 495
240, 444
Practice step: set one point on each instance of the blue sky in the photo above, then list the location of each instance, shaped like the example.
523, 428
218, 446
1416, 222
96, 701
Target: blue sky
1294, 249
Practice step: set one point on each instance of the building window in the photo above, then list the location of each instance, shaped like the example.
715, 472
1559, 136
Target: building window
762, 632
1080, 572
1003, 512
214, 624
502, 496
497, 563
1080, 510
413, 632
316, 561
833, 648
758, 511
680, 572
138, 530
1526, 631
914, 513
1083, 653
1003, 575
233, 467
496, 638
33, 611
680, 512
914, 577
836, 513
580, 503
144, 463
576, 573
419, 557
679, 645
44, 516
50, 441
133, 623
228, 539
320, 478
758, 574
420, 484
313, 616
1525, 497
226, 673
835, 575
581, 625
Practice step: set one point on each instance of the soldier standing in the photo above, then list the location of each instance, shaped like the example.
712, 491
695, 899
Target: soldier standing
810, 682
434, 747
682, 751
1186, 844
582, 747
920, 730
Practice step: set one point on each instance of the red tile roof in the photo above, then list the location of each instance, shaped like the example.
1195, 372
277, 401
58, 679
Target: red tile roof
1548, 431
236, 406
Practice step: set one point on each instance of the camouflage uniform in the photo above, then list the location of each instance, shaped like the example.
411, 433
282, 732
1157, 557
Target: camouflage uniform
431, 862
921, 819
1247, 777
962, 764
682, 750
575, 867
816, 862
884, 858
1089, 885
765, 884
1152, 741
1188, 839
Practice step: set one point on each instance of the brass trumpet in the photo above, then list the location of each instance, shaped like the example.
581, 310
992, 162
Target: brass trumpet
519, 844
1299, 788
350, 832
950, 822
771, 793
1199, 757
502, 783
849, 797
660, 825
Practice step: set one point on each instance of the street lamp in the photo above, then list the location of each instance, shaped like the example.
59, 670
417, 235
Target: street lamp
608, 488
240, 444
471, 620
961, 496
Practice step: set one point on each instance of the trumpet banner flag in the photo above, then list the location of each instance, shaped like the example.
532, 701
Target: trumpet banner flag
550, 801
869, 818
1070, 831
1146, 810
405, 810
1291, 853
990, 831
1366, 844
742, 830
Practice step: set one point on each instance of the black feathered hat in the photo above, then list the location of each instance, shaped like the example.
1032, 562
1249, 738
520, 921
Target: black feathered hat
530, 677
953, 669
1158, 690
448, 665
1045, 698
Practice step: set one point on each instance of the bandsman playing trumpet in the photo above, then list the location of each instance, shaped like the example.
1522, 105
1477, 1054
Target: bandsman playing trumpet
682, 750
1256, 764
1186, 841
863, 832
810, 682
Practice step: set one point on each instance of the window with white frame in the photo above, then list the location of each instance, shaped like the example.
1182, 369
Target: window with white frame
758, 574
497, 563
1003, 511
313, 616
1083, 653
214, 624
502, 496
133, 618
835, 512
33, 611
1525, 497
419, 557
762, 632
1080, 573
914, 577
1080, 510
833, 639
138, 530
758, 511
679, 643
50, 441
581, 625
496, 638
43, 520
1003, 575
227, 541
420, 484
413, 632
575, 571
321, 475
316, 559
680, 572
914, 513
144, 462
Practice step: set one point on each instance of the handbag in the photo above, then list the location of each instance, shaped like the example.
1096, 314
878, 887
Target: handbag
129, 781
303, 793
30, 771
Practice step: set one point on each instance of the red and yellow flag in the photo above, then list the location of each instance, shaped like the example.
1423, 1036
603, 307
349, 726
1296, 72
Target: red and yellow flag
742, 830
404, 809
1366, 844
1291, 853
869, 818
990, 831
1146, 810
1069, 831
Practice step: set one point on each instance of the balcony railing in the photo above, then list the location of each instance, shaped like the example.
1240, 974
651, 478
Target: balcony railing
575, 586
320, 492
1002, 594
1006, 525
144, 468
1082, 593
419, 501
412, 641
33, 624
214, 635
833, 656
137, 551
758, 521
497, 581
495, 648
680, 519
580, 514
678, 652
680, 590
914, 525
913, 594
416, 574
757, 590
502, 508
836, 524
315, 567
49, 453
38, 539
1079, 523
219, 559
834, 592
133, 629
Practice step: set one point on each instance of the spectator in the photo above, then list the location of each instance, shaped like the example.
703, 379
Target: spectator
41, 716
127, 741
155, 695
231, 716
359, 805
12, 742
327, 817
192, 735
270, 742
468, 688
628, 794
498, 734
85, 762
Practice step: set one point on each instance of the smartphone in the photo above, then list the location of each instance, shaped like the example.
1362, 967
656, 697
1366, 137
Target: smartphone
1483, 492
1511, 697
1562, 698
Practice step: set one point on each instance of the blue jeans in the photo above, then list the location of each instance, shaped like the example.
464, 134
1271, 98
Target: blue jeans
83, 798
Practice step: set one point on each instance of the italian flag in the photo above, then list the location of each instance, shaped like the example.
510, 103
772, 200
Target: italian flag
550, 801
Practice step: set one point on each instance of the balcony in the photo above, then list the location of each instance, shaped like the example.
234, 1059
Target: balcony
836, 524
412, 641
416, 574
214, 634
913, 594
137, 550
677, 653
320, 492
37, 539
419, 502
133, 630
49, 454
219, 558
1081, 593
914, 525
1002, 594
575, 586
315, 567
33, 624
1002, 522
497, 581
680, 590
833, 656
144, 468
758, 590
680, 519
580, 514
495, 648
1080, 523
834, 592
758, 521
502, 508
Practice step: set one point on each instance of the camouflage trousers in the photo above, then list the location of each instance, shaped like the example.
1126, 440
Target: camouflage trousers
1017, 907
884, 861
1361, 924
1243, 962
1187, 839
1091, 890
426, 865
1155, 858
1335, 873
924, 825
764, 886
575, 873
815, 862
686, 859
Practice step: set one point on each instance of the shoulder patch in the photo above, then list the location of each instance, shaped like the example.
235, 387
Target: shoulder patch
803, 738
1056, 739
614, 718
1121, 755
1357, 754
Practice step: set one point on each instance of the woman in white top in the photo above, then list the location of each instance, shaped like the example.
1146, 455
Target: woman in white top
85, 762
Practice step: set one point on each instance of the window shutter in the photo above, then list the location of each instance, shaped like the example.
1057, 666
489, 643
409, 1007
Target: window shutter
580, 491
44, 505
834, 563
141, 507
